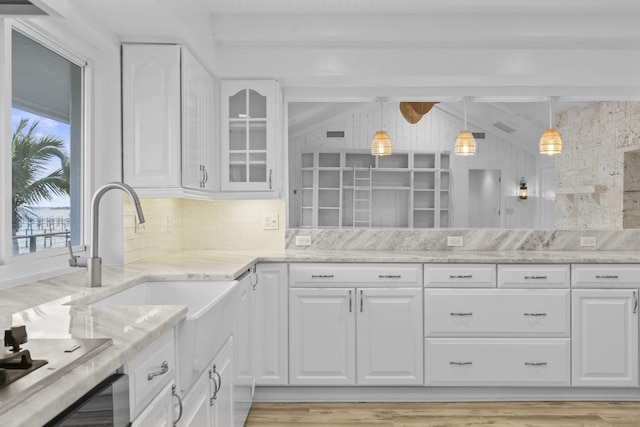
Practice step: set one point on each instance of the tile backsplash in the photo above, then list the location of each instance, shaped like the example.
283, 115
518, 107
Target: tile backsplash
175, 224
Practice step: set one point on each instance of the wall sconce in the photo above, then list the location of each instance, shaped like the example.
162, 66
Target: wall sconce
523, 193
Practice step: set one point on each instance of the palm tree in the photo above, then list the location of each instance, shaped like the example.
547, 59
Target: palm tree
31, 156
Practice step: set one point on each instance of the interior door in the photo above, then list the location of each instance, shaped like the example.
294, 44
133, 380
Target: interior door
484, 198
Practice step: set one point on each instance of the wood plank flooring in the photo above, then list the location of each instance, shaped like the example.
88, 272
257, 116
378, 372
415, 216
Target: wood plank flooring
432, 414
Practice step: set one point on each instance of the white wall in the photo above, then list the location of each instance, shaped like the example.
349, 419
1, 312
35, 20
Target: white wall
436, 131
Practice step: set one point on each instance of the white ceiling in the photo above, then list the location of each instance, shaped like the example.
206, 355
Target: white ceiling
492, 52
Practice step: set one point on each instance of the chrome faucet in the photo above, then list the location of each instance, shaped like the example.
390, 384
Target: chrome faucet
94, 262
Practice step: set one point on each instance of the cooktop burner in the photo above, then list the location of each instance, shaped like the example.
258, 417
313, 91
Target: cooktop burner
21, 376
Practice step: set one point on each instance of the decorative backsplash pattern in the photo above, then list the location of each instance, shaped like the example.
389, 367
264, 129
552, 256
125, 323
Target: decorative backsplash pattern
175, 224
474, 240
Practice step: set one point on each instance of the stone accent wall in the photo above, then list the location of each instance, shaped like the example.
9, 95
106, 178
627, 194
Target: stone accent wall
631, 201
590, 170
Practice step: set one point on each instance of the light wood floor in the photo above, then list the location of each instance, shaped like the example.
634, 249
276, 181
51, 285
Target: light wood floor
556, 414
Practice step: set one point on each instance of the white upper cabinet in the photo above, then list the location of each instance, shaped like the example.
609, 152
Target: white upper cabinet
250, 129
197, 124
151, 115
167, 118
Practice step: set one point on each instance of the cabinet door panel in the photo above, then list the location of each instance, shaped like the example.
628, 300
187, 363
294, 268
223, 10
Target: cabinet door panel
389, 335
605, 338
151, 115
271, 325
322, 336
222, 367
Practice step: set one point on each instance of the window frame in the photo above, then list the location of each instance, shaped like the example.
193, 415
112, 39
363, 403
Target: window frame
48, 263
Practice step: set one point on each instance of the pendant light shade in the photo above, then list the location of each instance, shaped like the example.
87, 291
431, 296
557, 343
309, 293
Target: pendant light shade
551, 141
465, 143
381, 143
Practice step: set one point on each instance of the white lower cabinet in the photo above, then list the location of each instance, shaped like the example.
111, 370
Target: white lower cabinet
605, 337
497, 362
161, 412
244, 381
348, 336
209, 402
151, 383
271, 324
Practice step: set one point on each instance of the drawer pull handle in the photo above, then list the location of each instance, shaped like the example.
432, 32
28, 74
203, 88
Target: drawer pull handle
635, 302
180, 406
535, 363
535, 314
390, 276
350, 302
535, 277
361, 300
164, 368
461, 363
462, 314
607, 276
461, 276
322, 276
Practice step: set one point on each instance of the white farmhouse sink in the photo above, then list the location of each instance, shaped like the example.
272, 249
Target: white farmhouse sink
208, 324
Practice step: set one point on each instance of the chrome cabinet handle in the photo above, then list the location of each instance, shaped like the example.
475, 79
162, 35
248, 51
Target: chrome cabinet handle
270, 186
461, 363
322, 276
164, 368
607, 276
206, 175
535, 314
177, 396
535, 277
350, 301
470, 313
390, 276
217, 385
635, 302
461, 276
535, 363
361, 300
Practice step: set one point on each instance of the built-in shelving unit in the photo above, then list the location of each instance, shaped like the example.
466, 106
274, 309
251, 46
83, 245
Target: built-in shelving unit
353, 189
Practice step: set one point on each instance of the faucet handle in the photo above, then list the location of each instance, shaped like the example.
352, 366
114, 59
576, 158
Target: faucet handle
75, 260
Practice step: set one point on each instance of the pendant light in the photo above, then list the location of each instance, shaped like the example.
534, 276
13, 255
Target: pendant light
465, 143
381, 143
551, 141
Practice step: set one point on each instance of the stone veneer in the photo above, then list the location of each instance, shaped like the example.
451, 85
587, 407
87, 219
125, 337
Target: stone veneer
590, 170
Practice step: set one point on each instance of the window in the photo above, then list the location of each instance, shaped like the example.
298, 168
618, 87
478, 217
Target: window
46, 129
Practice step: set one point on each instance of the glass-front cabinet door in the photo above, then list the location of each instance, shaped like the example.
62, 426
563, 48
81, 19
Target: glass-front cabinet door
248, 135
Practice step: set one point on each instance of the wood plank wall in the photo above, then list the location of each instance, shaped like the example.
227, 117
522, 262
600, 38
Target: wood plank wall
436, 131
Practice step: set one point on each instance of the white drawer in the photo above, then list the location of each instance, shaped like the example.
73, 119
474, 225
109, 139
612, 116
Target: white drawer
534, 275
147, 375
460, 275
337, 275
497, 362
618, 276
497, 312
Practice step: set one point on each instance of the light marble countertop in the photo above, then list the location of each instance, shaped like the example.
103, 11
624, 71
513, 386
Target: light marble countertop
57, 307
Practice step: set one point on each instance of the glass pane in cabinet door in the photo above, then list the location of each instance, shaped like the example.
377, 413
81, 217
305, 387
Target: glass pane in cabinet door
258, 173
238, 105
258, 136
237, 136
258, 167
257, 105
237, 167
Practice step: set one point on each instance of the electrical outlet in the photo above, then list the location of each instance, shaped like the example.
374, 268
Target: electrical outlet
455, 241
588, 241
270, 222
303, 240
